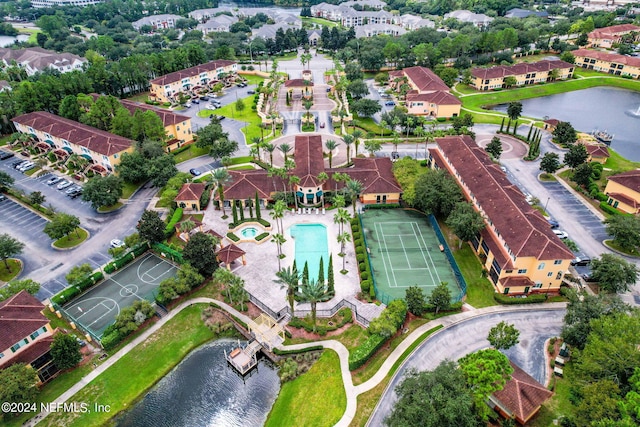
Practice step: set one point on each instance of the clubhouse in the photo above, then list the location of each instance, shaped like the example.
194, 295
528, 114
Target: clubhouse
379, 183
517, 247
524, 74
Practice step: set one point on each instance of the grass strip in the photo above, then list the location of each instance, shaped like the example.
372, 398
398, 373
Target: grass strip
315, 398
137, 371
72, 239
12, 272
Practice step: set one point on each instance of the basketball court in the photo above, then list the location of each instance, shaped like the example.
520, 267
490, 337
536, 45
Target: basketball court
98, 308
405, 251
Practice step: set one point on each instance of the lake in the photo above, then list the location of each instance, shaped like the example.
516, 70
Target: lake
204, 391
6, 41
604, 108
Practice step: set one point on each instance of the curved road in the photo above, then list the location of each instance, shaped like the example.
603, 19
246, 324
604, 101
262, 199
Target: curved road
470, 335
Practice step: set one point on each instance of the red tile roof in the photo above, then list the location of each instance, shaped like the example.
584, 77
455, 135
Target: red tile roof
597, 150
308, 155
612, 31
28, 355
552, 122
96, 140
20, 316
502, 71
607, 57
438, 97
630, 179
522, 395
298, 83
245, 184
168, 118
191, 72
523, 229
191, 191
624, 199
229, 253
425, 79
516, 281
375, 174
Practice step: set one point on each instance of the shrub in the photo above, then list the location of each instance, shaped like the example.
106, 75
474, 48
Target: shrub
608, 208
364, 351
602, 197
530, 299
364, 275
372, 292
233, 237
359, 242
362, 267
356, 235
175, 218
262, 236
359, 250
360, 257
302, 350
365, 285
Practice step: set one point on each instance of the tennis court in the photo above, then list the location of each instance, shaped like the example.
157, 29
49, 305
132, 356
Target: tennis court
98, 308
405, 251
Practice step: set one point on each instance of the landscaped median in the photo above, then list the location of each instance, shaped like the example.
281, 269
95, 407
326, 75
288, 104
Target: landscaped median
71, 240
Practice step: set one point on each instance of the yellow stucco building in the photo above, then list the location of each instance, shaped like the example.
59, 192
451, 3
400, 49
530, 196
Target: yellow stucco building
611, 63
624, 191
524, 74
517, 248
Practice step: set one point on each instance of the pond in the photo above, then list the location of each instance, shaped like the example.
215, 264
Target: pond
204, 391
6, 41
599, 108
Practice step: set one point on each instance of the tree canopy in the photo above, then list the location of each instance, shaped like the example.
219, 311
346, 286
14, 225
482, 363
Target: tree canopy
625, 230
550, 162
613, 273
9, 247
213, 137
503, 336
65, 351
564, 134
17, 384
103, 191
576, 156
465, 221
436, 192
61, 225
151, 227
16, 286
200, 252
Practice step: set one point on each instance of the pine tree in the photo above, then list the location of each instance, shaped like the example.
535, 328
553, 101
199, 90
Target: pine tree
515, 127
508, 126
502, 125
250, 208
530, 130
258, 215
330, 280
321, 271
241, 210
234, 211
305, 273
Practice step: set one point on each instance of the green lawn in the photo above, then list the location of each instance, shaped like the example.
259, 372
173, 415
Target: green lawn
137, 371
128, 188
247, 115
316, 398
252, 78
4, 140
241, 167
559, 405
319, 21
12, 272
72, 239
191, 153
141, 97
105, 209
479, 289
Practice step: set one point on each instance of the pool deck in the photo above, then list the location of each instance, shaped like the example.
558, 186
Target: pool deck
262, 263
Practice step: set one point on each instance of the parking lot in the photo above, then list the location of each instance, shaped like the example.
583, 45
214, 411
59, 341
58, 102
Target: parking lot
21, 221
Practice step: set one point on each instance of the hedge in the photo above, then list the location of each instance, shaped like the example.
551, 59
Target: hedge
233, 237
364, 275
262, 236
364, 351
360, 258
261, 221
175, 218
72, 291
365, 285
302, 350
530, 299
608, 208
383, 206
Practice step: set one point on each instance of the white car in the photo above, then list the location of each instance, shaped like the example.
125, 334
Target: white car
561, 234
116, 243
26, 166
64, 184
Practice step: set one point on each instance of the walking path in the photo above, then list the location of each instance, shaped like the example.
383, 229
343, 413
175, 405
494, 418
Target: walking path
352, 391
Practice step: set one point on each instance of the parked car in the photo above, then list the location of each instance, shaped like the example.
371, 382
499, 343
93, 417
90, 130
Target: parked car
2, 197
251, 91
187, 105
19, 163
561, 234
204, 98
64, 184
195, 172
581, 260
75, 194
54, 180
26, 166
72, 189
395, 155
389, 103
242, 84
216, 103
588, 277
4, 155
195, 101
553, 223
212, 106
116, 243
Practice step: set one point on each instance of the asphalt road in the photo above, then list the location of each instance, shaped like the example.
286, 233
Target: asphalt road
466, 337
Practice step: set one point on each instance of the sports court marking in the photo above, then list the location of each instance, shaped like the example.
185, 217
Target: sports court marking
99, 307
418, 237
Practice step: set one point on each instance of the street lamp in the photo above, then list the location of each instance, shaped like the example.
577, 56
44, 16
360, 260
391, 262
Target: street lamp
546, 204
546, 296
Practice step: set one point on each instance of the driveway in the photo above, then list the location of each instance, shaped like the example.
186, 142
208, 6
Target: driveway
469, 336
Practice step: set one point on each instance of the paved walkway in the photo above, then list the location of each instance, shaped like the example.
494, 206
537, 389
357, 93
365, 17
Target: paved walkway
352, 391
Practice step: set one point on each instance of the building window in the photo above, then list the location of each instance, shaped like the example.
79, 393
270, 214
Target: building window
538, 285
559, 275
557, 262
178, 127
522, 271
1, 355
541, 266
549, 274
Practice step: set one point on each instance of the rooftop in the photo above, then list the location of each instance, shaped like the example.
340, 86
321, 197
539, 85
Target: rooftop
20, 316
191, 72
191, 191
630, 179
424, 79
519, 69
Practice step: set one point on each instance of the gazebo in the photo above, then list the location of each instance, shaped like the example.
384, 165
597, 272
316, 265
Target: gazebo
218, 237
230, 253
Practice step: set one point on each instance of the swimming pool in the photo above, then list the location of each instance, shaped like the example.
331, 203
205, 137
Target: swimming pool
311, 245
249, 232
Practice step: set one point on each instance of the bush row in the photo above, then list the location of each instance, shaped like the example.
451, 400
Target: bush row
302, 350
383, 206
364, 351
261, 221
262, 236
366, 285
171, 226
72, 291
530, 299
126, 258
233, 237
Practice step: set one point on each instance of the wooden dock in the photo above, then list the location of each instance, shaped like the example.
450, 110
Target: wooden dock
244, 359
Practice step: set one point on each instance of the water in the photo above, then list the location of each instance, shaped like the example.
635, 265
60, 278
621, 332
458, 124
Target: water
6, 41
311, 245
203, 391
249, 232
603, 108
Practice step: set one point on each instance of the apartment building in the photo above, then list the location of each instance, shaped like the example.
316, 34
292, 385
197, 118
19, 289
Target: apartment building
623, 190
428, 96
608, 36
35, 59
157, 22
612, 63
524, 74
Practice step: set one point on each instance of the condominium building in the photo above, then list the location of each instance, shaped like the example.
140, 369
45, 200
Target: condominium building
165, 88
64, 137
38, 4
157, 22
35, 59
517, 247
612, 63
608, 36
428, 94
524, 73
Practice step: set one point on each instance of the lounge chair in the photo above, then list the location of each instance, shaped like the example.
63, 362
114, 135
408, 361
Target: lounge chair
323, 211
316, 211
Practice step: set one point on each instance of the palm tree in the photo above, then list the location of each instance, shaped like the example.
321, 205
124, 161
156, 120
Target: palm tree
383, 125
341, 218
289, 279
257, 142
348, 140
396, 141
420, 132
312, 292
186, 226
357, 134
253, 152
343, 239
338, 201
279, 240
353, 189
284, 148
323, 177
269, 148
278, 213
293, 181
331, 145
409, 123
221, 178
